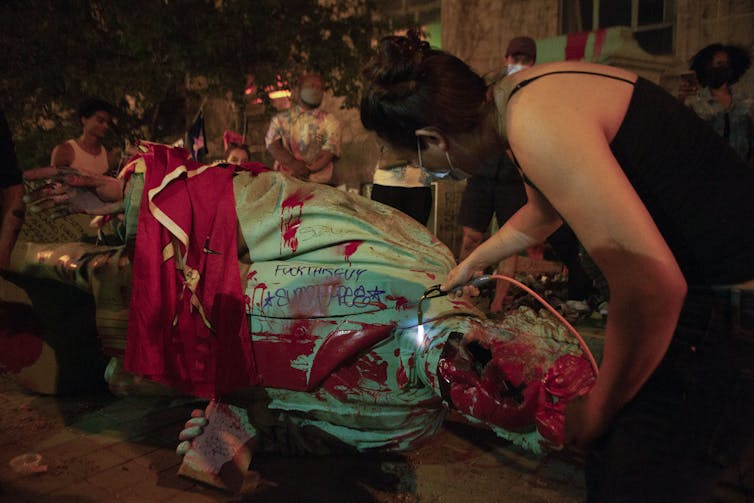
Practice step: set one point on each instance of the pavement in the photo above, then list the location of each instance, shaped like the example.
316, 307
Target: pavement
97, 447
100, 448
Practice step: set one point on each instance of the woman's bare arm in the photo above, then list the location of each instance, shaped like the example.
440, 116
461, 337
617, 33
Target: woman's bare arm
563, 147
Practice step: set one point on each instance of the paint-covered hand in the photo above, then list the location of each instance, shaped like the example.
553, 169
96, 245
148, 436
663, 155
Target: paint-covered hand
191, 430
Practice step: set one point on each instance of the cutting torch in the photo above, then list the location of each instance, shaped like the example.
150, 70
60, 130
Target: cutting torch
435, 291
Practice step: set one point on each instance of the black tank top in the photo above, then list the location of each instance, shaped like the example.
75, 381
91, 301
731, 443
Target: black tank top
699, 192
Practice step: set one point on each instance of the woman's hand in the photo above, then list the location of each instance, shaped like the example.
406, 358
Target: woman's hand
459, 276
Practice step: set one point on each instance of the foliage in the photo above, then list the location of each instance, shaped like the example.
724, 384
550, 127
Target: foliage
139, 54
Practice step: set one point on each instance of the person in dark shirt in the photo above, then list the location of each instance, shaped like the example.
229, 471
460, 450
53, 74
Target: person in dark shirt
12, 209
725, 107
664, 208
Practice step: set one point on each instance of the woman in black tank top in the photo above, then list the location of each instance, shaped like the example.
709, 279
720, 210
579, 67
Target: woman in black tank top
663, 208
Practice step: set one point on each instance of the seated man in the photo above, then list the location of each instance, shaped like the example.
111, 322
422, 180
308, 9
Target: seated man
87, 152
313, 333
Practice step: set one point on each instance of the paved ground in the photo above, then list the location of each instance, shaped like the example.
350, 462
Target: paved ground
101, 448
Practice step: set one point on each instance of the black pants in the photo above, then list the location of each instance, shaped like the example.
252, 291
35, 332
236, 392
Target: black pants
567, 248
415, 202
693, 419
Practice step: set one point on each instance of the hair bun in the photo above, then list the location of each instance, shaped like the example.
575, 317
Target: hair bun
398, 59
410, 47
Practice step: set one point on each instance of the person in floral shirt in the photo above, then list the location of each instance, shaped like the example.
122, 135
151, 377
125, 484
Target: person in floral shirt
305, 140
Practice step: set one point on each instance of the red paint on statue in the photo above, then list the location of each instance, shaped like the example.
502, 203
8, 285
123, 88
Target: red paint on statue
570, 376
373, 368
411, 362
506, 393
277, 352
366, 375
350, 248
429, 274
291, 212
400, 376
461, 304
401, 303
315, 301
258, 291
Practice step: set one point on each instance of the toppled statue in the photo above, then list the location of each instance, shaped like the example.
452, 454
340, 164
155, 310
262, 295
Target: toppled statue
302, 327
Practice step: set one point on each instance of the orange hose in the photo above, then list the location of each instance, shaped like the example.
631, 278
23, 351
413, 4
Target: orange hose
552, 310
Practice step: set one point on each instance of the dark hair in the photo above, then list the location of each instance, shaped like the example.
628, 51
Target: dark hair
309, 75
409, 85
740, 61
237, 146
90, 106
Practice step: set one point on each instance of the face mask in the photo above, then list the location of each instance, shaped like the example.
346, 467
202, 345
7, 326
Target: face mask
718, 76
515, 67
312, 96
451, 172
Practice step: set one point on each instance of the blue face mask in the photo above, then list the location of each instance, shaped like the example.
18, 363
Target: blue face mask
515, 67
312, 96
452, 172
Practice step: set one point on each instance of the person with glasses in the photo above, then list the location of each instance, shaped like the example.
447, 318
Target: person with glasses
662, 206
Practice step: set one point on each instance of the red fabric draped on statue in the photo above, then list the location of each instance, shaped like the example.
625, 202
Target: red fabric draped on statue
187, 321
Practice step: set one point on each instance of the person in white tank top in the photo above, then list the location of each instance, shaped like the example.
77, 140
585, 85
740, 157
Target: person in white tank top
87, 153
86, 162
